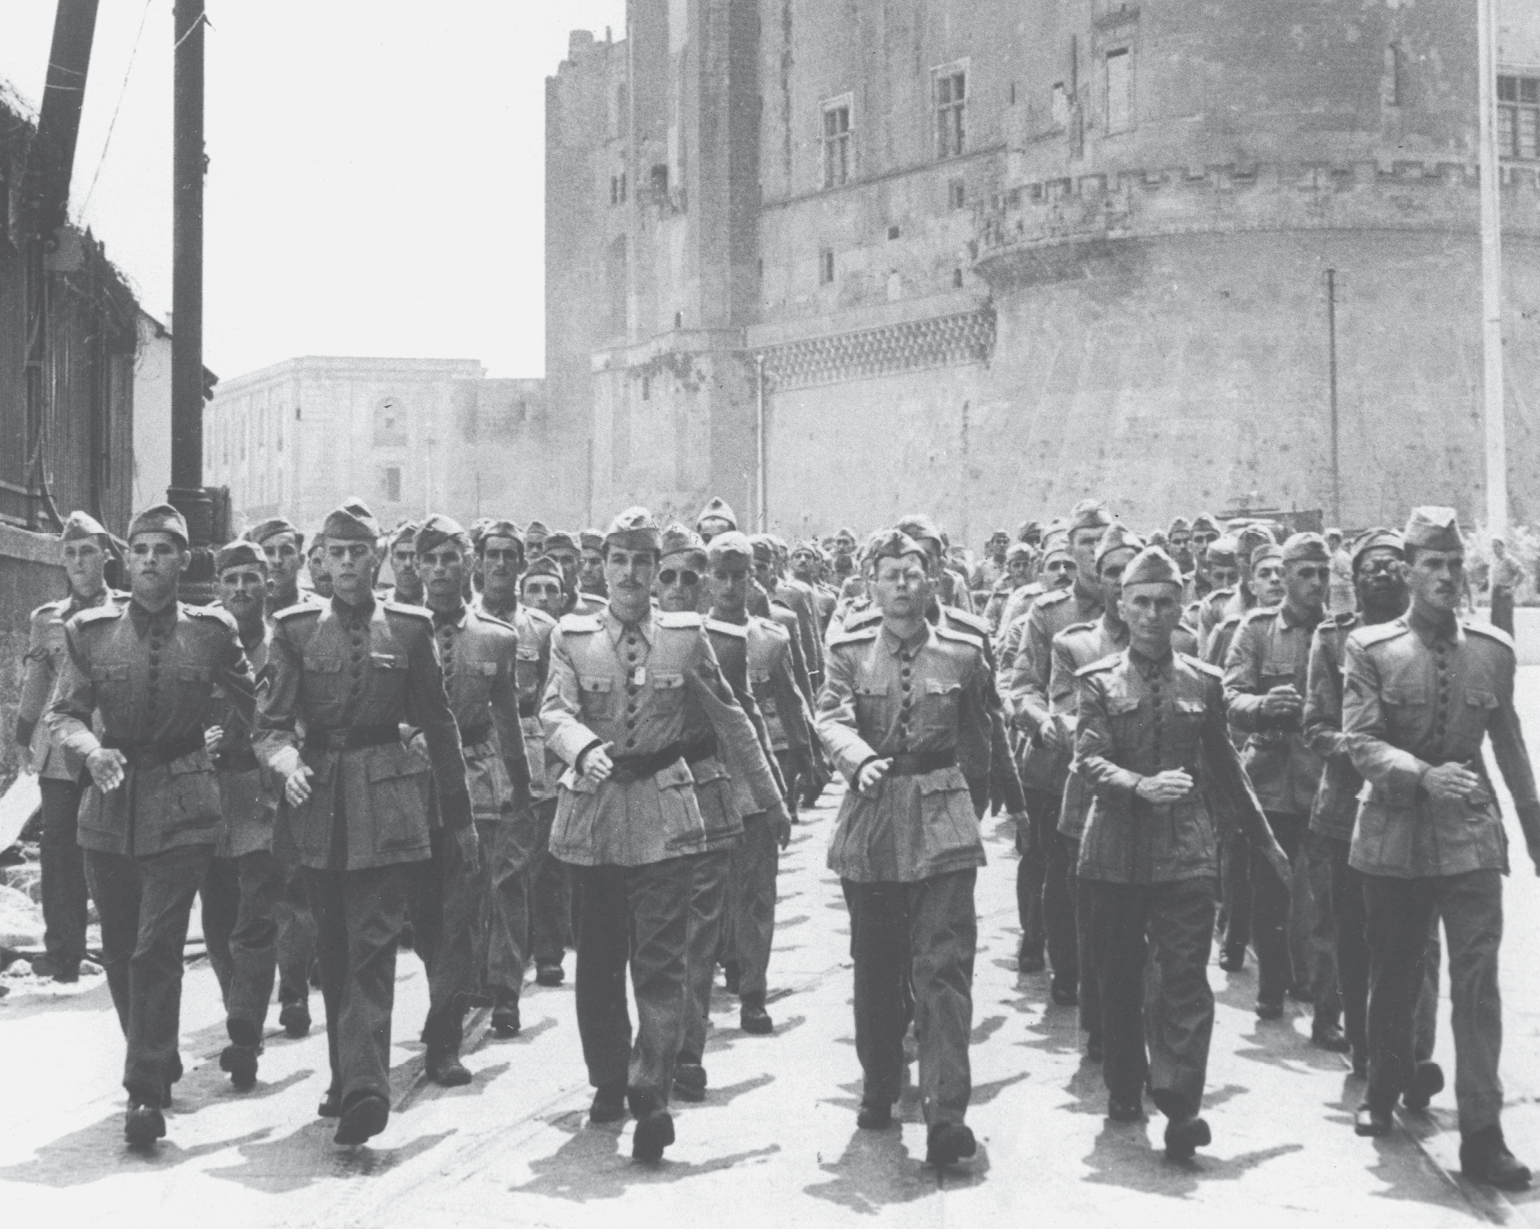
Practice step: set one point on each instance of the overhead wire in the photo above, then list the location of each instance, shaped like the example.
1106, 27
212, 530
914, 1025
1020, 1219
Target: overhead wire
113, 123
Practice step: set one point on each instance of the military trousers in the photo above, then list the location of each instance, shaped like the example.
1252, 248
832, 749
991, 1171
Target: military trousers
1152, 942
507, 850
445, 909
1235, 888
358, 916
703, 944
636, 916
144, 905
1042, 816
296, 938
551, 908
1276, 906
915, 938
1089, 984
1399, 913
1347, 896
755, 864
1320, 925
1059, 923
240, 927
1502, 610
62, 863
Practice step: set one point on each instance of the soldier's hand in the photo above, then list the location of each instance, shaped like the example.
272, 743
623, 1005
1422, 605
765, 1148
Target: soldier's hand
1164, 788
212, 737
296, 789
782, 822
106, 768
1451, 782
469, 845
597, 765
1051, 733
1283, 702
871, 775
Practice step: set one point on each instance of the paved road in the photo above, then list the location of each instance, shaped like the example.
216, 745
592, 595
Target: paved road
775, 1141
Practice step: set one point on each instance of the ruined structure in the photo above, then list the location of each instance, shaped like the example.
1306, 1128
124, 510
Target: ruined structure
991, 256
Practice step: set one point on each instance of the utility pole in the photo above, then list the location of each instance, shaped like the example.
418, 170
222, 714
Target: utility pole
188, 168
1493, 399
761, 513
1331, 347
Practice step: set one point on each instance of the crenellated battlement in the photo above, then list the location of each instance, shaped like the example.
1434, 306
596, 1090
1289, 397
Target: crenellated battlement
1406, 195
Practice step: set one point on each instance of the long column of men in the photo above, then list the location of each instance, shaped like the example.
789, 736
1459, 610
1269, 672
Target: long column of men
541, 739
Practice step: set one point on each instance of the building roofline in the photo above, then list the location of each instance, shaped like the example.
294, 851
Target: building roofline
361, 365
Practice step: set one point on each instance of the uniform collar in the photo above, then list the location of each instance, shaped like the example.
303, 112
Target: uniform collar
911, 646
500, 613
1431, 630
250, 642
361, 613
1288, 619
449, 618
162, 620
1147, 667
76, 603
617, 629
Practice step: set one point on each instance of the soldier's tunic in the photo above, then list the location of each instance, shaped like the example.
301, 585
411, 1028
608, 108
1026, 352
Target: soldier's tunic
1235, 893
550, 919
1271, 648
472, 923
60, 779
1331, 822
1150, 869
1416, 695
244, 881
633, 838
908, 855
352, 676
1044, 769
1077, 646
151, 677
756, 859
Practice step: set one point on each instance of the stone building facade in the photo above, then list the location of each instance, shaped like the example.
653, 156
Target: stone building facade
406, 435
988, 257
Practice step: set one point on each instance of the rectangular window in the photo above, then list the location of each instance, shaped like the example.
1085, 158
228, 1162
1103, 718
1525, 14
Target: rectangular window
951, 104
826, 266
836, 143
622, 187
956, 194
390, 484
1518, 117
614, 189
1120, 90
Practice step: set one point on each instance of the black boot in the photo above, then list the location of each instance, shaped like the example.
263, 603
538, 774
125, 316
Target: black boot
241, 1062
362, 1119
947, 1143
143, 1124
1484, 1157
445, 1068
505, 1016
1185, 1135
295, 1019
1427, 1082
609, 1104
654, 1133
753, 1018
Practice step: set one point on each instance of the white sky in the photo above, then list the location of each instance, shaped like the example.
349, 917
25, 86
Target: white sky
377, 168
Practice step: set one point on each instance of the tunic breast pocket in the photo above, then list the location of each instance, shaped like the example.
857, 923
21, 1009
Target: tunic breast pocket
194, 680
667, 690
474, 680
597, 695
871, 698
526, 674
1125, 717
942, 698
111, 679
1404, 706
390, 675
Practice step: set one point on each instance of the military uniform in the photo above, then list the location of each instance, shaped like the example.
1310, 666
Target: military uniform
61, 779
550, 921
1420, 692
1044, 769
151, 677
1149, 869
244, 880
1271, 648
352, 676
477, 917
907, 855
631, 840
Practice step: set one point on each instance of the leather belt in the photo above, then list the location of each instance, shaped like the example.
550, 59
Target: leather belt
239, 758
470, 735
155, 753
352, 737
529, 708
628, 768
699, 749
918, 763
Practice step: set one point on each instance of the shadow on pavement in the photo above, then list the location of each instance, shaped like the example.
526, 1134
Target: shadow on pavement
98, 1151
208, 1086
876, 1170
592, 1166
1131, 1156
307, 1156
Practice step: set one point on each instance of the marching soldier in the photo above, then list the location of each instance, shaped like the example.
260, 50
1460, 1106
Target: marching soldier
534, 540
403, 565
474, 924
149, 820
85, 546
500, 558
283, 545
591, 567
315, 564
1066, 910
626, 686
716, 517
1045, 752
561, 550
1266, 680
244, 880
542, 588
1420, 696
1377, 558
1151, 728
351, 672
901, 698
755, 859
